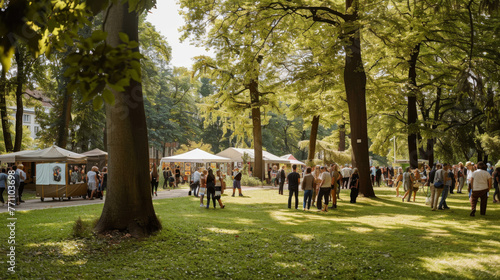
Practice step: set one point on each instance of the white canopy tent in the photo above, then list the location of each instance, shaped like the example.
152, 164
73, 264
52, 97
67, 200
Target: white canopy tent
292, 159
12, 157
235, 154
52, 154
195, 156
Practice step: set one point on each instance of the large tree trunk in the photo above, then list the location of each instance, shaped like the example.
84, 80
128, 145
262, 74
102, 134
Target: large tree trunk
355, 87
20, 58
312, 140
258, 168
128, 205
412, 108
7, 138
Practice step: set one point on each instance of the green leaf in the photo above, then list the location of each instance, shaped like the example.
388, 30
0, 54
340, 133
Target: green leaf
97, 103
99, 35
123, 37
108, 97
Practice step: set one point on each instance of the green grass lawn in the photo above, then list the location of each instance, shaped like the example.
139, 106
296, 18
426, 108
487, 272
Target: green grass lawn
257, 237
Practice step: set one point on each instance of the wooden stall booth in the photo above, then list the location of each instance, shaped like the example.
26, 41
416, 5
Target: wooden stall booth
59, 173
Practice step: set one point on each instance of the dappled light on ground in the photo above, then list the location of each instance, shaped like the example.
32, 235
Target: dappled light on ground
257, 237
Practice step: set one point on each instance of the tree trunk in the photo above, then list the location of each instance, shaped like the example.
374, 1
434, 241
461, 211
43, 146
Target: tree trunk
258, 168
430, 142
312, 140
62, 132
128, 205
412, 108
355, 87
7, 138
20, 58
342, 137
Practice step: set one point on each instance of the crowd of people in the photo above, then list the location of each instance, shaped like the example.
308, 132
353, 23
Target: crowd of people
19, 178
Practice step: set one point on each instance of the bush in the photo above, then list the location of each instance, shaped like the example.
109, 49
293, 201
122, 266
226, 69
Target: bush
245, 181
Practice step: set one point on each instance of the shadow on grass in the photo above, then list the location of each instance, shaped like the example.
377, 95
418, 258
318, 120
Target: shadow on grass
258, 238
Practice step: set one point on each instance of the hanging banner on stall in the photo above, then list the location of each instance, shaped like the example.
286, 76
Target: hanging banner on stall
187, 168
213, 165
51, 174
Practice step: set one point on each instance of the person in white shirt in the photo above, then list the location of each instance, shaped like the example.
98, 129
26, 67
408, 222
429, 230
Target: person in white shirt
196, 182
22, 177
480, 185
92, 181
346, 174
325, 186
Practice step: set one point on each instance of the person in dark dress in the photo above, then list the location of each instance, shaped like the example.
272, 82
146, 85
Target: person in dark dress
354, 182
282, 177
293, 179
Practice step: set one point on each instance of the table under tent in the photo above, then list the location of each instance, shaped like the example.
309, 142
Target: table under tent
59, 173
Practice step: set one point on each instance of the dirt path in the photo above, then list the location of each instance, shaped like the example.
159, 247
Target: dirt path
34, 204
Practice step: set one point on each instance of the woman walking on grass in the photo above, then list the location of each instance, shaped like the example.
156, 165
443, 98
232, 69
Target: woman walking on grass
307, 186
210, 188
203, 186
354, 182
408, 183
219, 183
399, 181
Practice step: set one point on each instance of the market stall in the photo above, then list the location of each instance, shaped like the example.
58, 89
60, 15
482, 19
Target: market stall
96, 157
236, 154
54, 168
186, 162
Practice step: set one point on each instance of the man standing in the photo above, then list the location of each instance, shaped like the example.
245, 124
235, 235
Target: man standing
346, 174
378, 175
22, 177
373, 171
293, 179
237, 182
196, 182
282, 177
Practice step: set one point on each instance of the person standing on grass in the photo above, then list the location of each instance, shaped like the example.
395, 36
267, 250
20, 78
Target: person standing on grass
3, 184
210, 188
435, 190
237, 182
92, 181
165, 177
354, 185
282, 178
407, 183
373, 173
104, 181
219, 183
325, 186
346, 175
155, 178
203, 186
378, 175
399, 181
335, 174
446, 188
479, 187
451, 175
22, 177
496, 185
196, 182
293, 179
315, 174
470, 169
460, 177
274, 176
307, 187
177, 176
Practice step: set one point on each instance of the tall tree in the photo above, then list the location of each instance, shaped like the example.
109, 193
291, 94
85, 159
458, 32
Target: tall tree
128, 205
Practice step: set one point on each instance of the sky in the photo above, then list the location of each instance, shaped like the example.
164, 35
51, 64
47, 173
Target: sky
167, 20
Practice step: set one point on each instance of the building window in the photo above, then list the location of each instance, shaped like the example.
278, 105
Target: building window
26, 118
36, 129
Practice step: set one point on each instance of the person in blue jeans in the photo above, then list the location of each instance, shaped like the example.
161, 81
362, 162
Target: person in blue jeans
307, 186
446, 188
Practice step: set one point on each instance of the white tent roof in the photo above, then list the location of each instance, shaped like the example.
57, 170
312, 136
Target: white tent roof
235, 155
12, 157
292, 159
195, 155
52, 154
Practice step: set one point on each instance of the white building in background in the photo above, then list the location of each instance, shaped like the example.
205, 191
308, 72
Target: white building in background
29, 117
